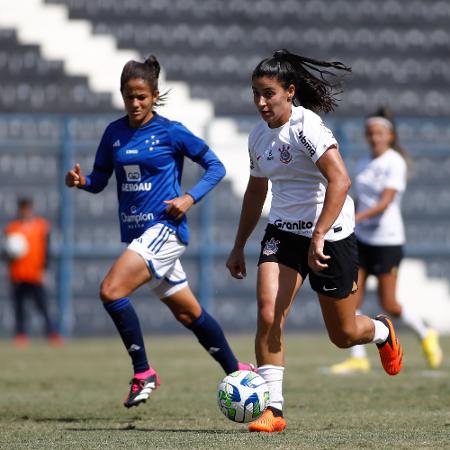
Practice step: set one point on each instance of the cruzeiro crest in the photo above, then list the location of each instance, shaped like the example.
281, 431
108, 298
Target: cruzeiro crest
285, 154
271, 247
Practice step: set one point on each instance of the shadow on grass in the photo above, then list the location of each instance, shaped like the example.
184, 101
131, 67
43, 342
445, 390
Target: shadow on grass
161, 430
72, 419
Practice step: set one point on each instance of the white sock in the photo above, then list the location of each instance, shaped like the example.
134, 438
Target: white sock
274, 379
381, 332
358, 351
414, 321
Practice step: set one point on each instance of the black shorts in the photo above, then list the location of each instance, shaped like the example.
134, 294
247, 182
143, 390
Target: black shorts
338, 280
379, 259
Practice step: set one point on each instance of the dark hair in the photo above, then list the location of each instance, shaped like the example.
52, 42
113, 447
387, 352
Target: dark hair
148, 71
386, 113
313, 92
24, 202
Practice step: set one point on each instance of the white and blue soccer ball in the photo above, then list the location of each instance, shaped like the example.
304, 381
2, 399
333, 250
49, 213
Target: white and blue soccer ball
15, 245
243, 396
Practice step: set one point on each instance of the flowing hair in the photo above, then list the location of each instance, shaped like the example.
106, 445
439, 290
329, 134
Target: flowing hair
314, 88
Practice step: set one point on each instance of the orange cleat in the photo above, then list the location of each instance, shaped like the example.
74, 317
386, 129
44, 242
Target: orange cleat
55, 340
391, 352
21, 340
268, 423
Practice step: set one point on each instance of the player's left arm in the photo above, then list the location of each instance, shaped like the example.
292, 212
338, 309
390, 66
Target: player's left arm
332, 167
386, 198
214, 172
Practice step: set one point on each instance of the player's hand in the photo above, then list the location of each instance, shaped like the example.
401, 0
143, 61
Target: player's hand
316, 258
236, 264
74, 177
179, 206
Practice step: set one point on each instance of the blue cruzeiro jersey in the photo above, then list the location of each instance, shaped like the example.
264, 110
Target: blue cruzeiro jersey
148, 164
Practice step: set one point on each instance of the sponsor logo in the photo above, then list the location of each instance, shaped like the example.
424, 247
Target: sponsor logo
135, 219
306, 143
328, 289
285, 155
134, 348
271, 247
298, 225
136, 187
213, 350
117, 143
132, 151
132, 172
268, 154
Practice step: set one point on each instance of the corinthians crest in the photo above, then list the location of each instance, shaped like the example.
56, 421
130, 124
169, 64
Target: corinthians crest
285, 154
271, 247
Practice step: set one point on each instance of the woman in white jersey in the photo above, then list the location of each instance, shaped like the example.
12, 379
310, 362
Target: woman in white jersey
379, 185
311, 221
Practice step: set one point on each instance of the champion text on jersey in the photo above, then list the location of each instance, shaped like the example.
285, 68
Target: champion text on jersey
285, 155
306, 143
271, 247
135, 220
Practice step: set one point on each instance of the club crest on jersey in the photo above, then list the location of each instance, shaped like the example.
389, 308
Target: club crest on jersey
271, 247
153, 141
285, 154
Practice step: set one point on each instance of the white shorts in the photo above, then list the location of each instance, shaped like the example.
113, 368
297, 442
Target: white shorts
161, 250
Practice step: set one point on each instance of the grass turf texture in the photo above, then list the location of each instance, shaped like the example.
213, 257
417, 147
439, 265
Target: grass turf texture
71, 398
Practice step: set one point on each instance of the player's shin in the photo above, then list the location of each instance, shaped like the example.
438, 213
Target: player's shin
210, 335
127, 323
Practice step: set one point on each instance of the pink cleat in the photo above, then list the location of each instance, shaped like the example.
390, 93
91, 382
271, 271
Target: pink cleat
247, 366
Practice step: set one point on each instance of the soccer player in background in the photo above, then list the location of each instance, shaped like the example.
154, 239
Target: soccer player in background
146, 153
311, 221
379, 184
27, 271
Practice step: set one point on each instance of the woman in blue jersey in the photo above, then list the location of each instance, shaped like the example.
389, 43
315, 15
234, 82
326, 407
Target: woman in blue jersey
146, 153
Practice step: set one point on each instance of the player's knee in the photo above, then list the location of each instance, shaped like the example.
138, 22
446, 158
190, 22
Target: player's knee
266, 318
108, 292
186, 318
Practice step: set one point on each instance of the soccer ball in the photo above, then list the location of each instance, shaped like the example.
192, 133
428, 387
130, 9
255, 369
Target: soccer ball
15, 245
243, 396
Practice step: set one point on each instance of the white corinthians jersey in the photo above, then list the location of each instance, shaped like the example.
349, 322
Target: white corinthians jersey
387, 171
287, 156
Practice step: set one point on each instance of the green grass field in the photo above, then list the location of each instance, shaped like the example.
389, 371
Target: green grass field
71, 398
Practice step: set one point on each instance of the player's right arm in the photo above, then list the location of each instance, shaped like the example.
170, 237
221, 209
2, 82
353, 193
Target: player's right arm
252, 205
98, 179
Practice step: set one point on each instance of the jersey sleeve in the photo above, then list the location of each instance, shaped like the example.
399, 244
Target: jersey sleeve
313, 137
214, 172
187, 143
255, 171
396, 175
103, 168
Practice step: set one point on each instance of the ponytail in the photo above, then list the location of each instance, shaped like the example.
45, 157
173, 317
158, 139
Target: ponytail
312, 91
148, 71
